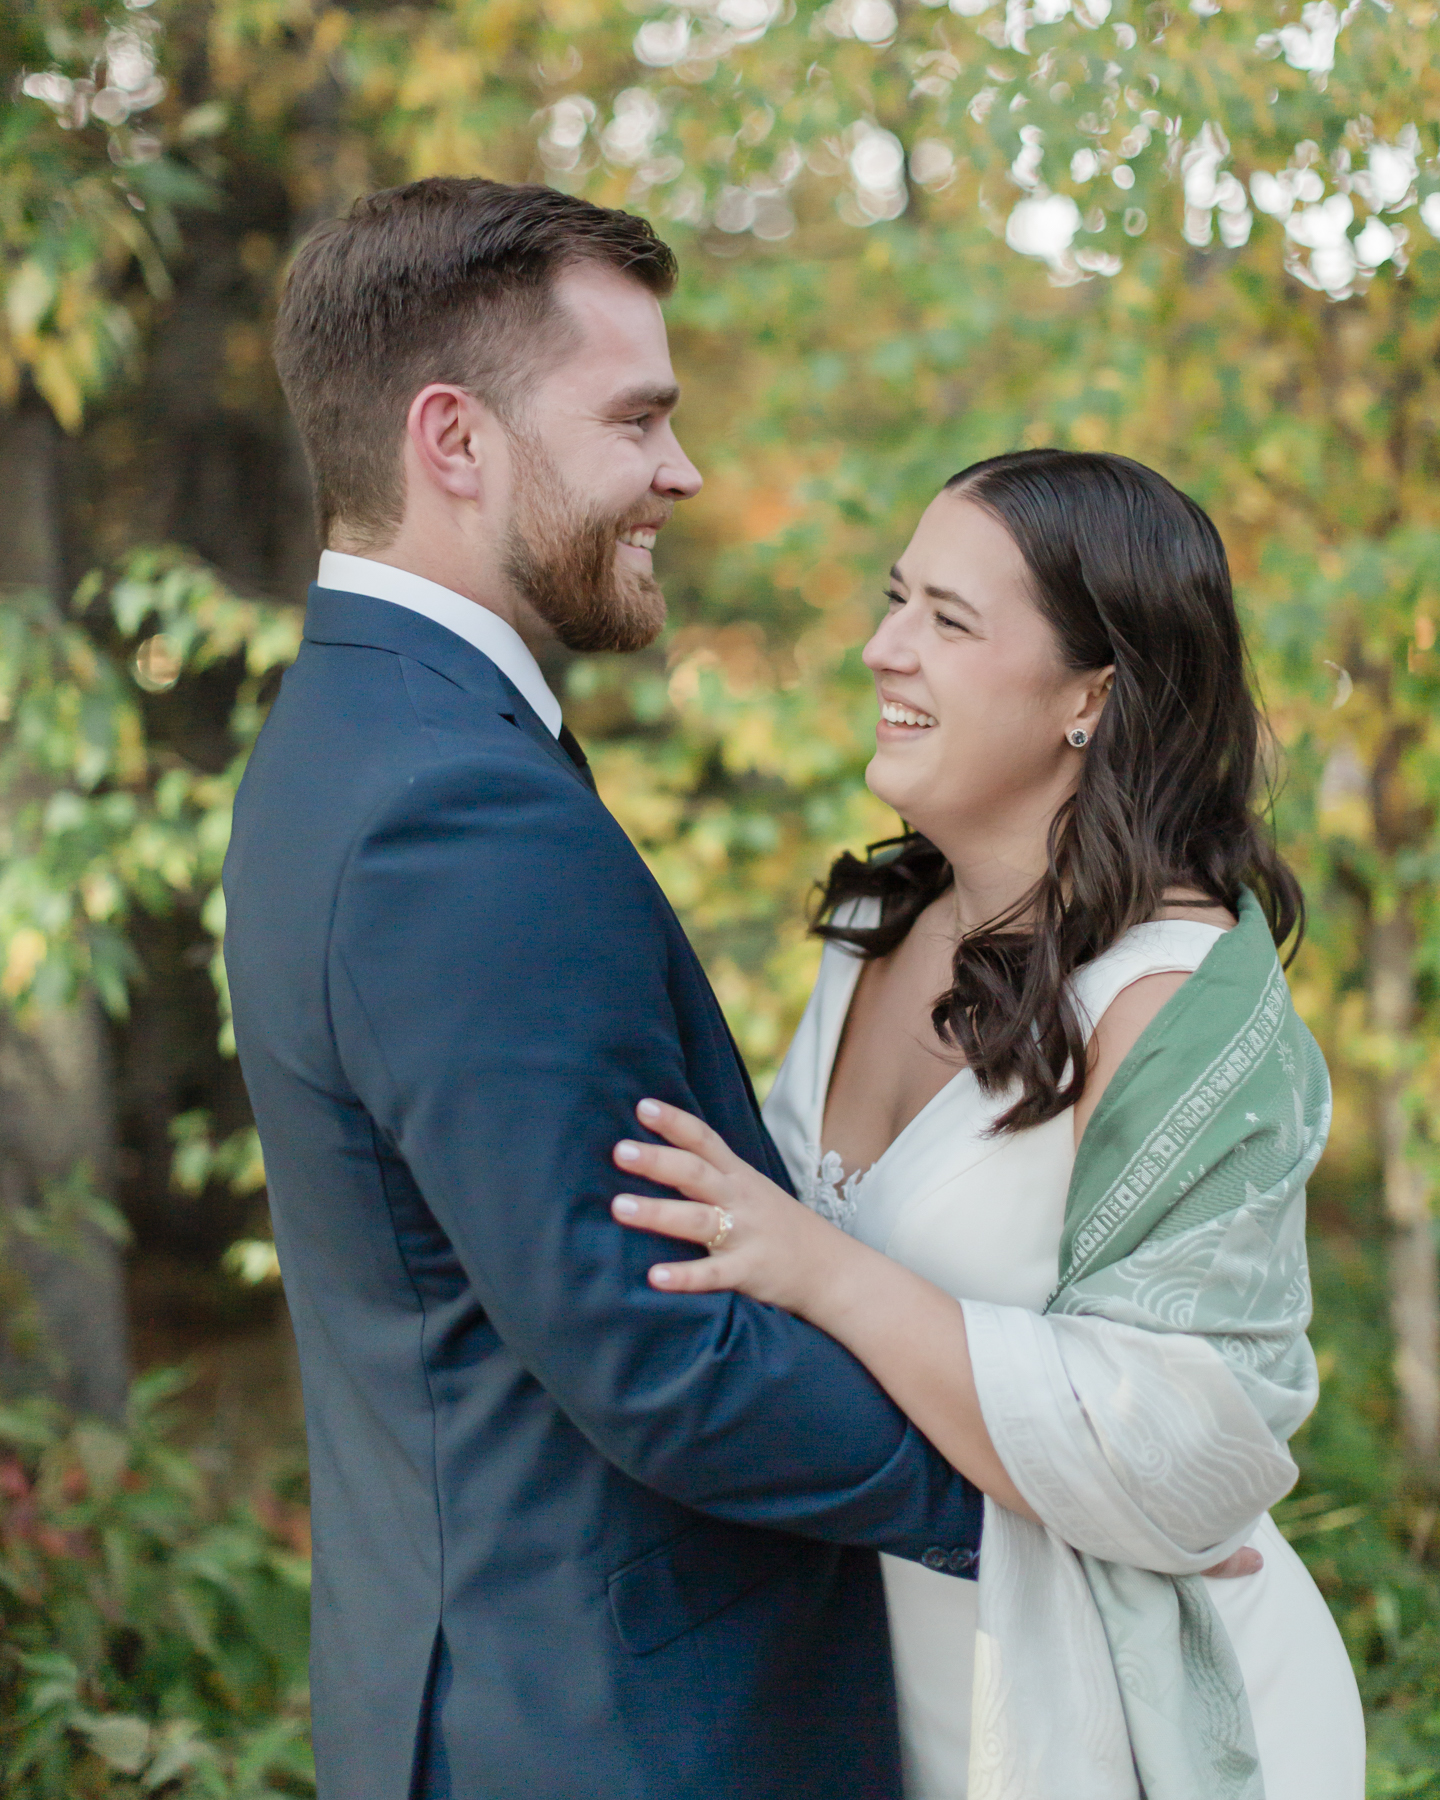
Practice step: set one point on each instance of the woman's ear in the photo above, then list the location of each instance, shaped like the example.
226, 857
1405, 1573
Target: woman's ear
1092, 701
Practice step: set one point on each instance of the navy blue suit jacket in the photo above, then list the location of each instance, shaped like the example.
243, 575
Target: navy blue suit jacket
574, 1537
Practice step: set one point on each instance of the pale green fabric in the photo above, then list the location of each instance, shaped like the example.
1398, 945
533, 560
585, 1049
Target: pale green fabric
1145, 1415
1186, 1213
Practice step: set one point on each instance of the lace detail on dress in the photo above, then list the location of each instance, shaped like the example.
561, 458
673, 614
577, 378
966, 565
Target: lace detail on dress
830, 1191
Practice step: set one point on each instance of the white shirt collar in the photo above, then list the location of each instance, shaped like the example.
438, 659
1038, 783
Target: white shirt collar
486, 630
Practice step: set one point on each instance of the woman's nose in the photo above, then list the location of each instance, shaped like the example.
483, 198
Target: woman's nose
889, 648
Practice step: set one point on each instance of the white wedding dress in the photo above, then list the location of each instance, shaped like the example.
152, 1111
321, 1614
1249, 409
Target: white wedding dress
981, 1217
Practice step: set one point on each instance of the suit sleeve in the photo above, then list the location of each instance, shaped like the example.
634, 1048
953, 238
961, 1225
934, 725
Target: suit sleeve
499, 1001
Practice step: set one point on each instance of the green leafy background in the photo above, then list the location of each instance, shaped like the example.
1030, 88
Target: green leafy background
911, 235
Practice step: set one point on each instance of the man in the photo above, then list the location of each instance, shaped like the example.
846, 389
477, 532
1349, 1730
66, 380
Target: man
574, 1537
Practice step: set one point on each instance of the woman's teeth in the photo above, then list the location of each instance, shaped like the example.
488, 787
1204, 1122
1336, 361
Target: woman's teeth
642, 537
902, 715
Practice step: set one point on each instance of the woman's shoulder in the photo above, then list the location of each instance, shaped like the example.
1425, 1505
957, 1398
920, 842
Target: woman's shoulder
1125, 987
1169, 945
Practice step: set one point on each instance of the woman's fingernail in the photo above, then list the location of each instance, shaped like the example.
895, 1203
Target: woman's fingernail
627, 1152
625, 1207
660, 1276
649, 1109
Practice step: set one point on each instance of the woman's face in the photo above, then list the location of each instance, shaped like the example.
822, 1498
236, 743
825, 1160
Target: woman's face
975, 699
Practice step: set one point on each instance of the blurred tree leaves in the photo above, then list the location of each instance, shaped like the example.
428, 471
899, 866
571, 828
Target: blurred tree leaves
1204, 236
911, 236
100, 817
154, 1642
86, 196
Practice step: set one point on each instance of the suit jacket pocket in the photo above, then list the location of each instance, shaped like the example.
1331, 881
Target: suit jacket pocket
670, 1591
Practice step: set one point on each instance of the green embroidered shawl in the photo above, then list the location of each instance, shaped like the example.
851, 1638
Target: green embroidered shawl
1145, 1414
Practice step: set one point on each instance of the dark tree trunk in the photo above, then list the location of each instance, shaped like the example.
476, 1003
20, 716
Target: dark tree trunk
57, 1115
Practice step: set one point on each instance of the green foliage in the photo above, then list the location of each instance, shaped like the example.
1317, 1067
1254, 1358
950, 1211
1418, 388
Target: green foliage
68, 1216
71, 759
911, 235
199, 1159
97, 814
148, 1634
153, 1644
1364, 1540
85, 196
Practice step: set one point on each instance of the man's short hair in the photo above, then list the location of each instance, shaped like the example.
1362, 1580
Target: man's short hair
445, 280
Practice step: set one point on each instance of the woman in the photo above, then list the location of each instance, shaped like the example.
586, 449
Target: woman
1051, 1113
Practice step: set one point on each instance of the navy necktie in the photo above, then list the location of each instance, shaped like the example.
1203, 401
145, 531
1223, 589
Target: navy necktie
570, 744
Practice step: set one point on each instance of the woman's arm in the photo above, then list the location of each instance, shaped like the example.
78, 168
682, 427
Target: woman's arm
904, 1329
1118, 1032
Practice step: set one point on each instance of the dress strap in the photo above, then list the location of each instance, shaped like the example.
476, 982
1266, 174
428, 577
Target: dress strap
1159, 947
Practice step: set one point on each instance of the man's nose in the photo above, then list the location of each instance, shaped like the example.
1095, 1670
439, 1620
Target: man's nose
677, 477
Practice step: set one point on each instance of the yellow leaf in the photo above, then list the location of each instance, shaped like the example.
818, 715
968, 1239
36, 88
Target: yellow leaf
24, 956
330, 31
57, 384
29, 297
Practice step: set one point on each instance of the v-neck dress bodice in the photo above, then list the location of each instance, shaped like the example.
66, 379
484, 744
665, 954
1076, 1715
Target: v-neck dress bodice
932, 1200
981, 1217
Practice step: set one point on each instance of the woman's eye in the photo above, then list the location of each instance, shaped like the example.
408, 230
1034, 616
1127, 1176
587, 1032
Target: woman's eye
892, 599
956, 624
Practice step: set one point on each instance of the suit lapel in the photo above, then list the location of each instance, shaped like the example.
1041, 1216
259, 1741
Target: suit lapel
332, 617
534, 728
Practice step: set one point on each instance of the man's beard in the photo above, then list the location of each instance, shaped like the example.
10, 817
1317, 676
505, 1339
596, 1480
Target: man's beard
563, 561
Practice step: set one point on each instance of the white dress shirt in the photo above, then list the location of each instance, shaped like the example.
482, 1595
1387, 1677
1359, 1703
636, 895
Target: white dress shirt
486, 630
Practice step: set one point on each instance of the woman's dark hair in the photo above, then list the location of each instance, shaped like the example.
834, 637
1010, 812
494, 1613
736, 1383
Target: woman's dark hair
1128, 571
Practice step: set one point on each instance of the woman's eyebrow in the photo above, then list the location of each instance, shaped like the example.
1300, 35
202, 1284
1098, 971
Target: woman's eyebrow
938, 593
951, 598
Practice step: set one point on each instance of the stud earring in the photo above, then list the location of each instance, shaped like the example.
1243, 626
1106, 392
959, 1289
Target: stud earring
1079, 737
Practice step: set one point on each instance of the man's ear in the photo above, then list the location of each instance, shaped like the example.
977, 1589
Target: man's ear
451, 438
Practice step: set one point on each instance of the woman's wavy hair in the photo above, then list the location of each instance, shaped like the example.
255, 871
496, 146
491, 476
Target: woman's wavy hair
1128, 571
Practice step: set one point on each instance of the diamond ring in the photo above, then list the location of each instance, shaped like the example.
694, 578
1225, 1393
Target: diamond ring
724, 1225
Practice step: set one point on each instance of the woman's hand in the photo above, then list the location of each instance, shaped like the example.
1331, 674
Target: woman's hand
762, 1243
765, 1244
909, 1334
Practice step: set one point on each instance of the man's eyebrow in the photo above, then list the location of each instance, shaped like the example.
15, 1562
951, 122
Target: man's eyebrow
645, 399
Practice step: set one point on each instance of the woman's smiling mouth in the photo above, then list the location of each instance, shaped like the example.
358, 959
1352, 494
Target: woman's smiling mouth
894, 714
